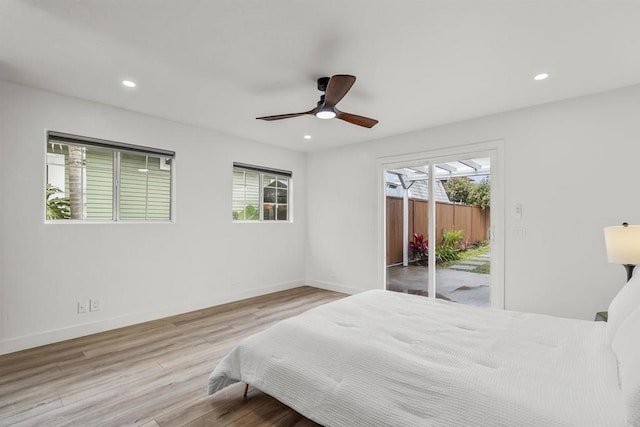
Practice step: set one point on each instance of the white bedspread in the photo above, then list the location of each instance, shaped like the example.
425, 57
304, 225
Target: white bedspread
382, 358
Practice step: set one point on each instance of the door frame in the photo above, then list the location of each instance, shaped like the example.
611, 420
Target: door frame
495, 151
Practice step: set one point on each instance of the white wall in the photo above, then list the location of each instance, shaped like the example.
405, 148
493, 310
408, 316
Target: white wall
138, 271
573, 166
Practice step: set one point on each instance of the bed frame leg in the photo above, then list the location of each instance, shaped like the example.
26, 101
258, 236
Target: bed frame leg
246, 389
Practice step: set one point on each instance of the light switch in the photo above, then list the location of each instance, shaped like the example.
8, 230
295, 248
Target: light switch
519, 233
518, 210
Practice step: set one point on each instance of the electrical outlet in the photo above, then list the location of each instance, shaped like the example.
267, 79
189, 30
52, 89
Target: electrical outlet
94, 304
83, 307
519, 233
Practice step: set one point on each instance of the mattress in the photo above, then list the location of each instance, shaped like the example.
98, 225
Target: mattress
382, 358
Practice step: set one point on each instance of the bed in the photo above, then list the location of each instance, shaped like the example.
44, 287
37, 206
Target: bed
382, 358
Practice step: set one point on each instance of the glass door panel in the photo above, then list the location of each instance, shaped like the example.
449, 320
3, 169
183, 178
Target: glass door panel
462, 226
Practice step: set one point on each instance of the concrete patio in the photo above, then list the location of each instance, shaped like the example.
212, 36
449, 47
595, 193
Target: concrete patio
453, 283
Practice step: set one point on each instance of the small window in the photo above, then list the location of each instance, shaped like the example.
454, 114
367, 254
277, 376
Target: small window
97, 180
260, 194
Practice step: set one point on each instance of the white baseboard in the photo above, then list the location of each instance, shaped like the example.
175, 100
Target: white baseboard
336, 287
48, 337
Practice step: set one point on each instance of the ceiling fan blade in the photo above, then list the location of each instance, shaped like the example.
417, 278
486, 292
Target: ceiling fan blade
285, 116
337, 88
355, 119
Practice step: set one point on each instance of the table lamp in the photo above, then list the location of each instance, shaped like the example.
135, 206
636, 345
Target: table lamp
623, 246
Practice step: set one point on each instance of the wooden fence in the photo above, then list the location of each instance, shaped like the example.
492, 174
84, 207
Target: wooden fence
473, 221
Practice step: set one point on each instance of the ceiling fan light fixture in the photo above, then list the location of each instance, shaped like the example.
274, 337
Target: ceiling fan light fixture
326, 114
334, 88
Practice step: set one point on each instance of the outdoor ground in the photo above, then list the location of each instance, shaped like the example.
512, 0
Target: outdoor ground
455, 282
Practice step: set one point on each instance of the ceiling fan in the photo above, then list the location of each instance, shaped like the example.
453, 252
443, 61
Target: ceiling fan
334, 88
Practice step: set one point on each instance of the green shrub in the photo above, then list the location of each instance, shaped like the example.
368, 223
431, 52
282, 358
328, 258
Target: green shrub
249, 213
448, 250
446, 254
452, 238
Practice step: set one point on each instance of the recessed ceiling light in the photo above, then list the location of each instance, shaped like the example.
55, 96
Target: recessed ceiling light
129, 83
541, 76
307, 137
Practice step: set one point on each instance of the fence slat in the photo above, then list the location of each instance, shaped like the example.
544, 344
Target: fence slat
394, 230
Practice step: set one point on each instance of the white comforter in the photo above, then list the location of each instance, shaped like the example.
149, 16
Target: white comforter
388, 359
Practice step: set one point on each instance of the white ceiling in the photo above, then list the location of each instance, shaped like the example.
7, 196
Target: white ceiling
221, 63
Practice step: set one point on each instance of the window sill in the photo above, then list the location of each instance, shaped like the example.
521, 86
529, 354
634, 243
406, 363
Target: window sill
94, 222
234, 221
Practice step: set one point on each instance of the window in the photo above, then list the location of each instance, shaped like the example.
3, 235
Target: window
260, 194
97, 180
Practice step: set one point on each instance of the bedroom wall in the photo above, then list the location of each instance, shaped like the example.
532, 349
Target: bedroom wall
138, 271
573, 165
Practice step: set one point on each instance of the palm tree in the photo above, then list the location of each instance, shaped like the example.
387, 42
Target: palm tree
76, 163
57, 207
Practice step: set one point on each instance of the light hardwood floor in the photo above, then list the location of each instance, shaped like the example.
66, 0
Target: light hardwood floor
151, 374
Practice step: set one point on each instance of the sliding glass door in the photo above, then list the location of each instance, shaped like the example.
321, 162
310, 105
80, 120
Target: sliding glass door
438, 228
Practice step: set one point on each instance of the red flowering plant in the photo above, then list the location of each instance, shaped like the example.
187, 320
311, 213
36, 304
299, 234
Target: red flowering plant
419, 248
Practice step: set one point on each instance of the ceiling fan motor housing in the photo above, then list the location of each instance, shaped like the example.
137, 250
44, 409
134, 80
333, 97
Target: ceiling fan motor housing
322, 83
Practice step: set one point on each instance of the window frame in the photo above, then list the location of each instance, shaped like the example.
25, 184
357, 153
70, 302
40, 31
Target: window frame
116, 149
262, 171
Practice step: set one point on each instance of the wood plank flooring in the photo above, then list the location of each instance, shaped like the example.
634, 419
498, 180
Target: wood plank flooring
153, 374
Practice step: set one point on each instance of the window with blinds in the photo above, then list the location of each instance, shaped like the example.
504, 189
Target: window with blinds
97, 180
260, 194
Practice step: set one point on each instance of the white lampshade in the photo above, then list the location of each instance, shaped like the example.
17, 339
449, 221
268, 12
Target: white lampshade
623, 244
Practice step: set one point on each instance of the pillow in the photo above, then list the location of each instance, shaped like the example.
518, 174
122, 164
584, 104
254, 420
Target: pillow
626, 346
623, 304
